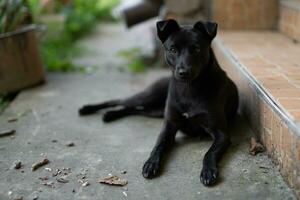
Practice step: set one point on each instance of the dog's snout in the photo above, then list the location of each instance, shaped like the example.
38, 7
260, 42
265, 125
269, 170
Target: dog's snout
182, 72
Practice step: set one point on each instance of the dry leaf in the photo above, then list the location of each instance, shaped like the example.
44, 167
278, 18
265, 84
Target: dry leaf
113, 180
255, 147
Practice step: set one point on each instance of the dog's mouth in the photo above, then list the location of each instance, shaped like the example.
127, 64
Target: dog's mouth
186, 79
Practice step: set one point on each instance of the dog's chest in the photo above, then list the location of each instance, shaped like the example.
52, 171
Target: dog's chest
190, 105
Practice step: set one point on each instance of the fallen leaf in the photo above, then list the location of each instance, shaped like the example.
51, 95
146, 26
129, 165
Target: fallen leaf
113, 180
255, 147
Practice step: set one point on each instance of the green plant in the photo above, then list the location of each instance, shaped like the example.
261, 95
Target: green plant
80, 17
13, 15
104, 8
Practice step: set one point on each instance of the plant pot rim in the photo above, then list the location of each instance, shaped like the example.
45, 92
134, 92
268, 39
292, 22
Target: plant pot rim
26, 28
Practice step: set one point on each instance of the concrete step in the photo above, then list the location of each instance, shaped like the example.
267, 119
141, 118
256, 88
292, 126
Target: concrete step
265, 66
289, 18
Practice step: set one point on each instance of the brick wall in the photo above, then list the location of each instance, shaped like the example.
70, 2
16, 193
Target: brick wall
245, 14
280, 138
289, 20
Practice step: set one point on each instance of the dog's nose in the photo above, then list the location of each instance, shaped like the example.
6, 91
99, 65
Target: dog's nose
182, 72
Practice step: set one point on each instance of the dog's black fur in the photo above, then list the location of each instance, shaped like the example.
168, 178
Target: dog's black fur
197, 99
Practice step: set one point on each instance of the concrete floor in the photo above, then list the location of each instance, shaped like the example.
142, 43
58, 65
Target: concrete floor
49, 112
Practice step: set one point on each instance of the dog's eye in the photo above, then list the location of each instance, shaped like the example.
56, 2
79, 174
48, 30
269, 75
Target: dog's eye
173, 50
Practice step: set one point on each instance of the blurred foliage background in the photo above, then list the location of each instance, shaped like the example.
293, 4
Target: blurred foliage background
66, 21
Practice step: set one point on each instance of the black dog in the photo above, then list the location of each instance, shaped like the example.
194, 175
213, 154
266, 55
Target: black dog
197, 99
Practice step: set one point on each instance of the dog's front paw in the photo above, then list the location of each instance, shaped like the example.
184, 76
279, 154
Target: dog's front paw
87, 110
151, 168
209, 176
110, 116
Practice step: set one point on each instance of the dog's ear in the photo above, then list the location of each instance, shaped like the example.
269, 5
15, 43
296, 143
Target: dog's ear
165, 28
208, 28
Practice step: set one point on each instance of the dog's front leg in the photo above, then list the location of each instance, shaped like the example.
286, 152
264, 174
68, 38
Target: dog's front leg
166, 138
209, 171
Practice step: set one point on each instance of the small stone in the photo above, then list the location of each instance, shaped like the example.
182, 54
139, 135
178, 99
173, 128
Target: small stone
123, 172
86, 183
48, 169
70, 144
17, 164
54, 141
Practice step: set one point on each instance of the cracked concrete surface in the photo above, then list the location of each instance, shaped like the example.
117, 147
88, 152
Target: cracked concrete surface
48, 113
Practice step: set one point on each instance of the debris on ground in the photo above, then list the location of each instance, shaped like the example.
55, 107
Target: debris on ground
255, 147
84, 183
263, 167
70, 144
13, 119
62, 180
49, 184
18, 198
39, 164
82, 178
125, 194
7, 132
57, 172
54, 141
123, 172
48, 169
36, 197
45, 178
113, 180
17, 164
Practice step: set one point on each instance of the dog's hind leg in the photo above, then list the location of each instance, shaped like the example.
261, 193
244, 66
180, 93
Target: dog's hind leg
117, 114
92, 108
152, 98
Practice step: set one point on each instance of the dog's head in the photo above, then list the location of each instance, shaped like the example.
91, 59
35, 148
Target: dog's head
187, 48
